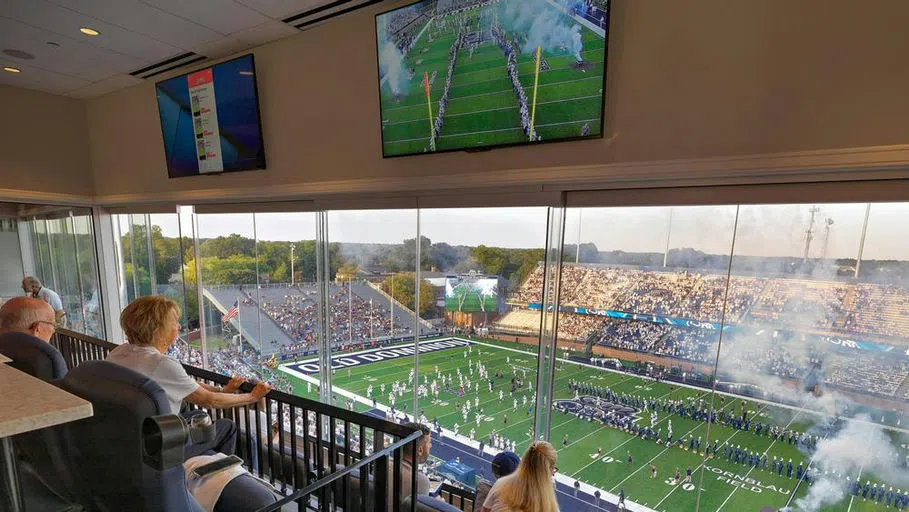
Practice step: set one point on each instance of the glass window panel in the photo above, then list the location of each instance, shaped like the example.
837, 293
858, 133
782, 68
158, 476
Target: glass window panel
287, 297
92, 320
642, 293
63, 250
484, 266
227, 246
825, 336
372, 261
43, 264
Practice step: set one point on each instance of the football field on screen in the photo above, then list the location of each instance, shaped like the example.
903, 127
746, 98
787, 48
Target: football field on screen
725, 486
483, 107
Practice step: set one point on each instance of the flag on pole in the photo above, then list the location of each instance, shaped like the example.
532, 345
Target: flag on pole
232, 313
427, 88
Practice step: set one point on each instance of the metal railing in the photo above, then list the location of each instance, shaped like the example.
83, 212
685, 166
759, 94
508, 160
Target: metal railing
316, 455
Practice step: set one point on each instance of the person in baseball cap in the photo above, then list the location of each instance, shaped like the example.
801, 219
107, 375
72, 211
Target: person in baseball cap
503, 464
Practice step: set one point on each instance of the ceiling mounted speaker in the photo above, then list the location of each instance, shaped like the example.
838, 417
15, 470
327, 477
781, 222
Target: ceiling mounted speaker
18, 54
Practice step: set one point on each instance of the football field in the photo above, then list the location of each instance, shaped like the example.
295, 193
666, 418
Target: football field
483, 107
725, 484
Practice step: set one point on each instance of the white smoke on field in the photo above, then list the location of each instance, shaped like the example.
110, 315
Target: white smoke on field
859, 447
542, 26
392, 68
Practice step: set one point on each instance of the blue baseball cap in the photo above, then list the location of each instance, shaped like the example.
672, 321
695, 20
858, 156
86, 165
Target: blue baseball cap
505, 463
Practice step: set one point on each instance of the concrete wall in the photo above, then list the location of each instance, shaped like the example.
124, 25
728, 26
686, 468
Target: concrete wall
686, 80
44, 147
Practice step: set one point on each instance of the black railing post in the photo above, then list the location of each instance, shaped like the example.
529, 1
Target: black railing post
381, 473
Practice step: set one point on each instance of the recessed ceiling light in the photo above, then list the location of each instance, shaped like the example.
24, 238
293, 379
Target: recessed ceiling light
11, 69
89, 31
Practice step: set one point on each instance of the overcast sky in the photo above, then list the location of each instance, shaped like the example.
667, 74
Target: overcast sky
775, 230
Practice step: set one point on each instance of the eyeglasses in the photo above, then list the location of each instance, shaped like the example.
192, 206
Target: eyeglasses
52, 324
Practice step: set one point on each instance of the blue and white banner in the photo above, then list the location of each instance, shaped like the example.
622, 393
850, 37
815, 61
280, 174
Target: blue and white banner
843, 343
656, 319
311, 366
867, 346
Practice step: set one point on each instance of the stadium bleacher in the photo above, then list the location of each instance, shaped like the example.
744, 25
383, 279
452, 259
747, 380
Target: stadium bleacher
832, 306
284, 319
779, 321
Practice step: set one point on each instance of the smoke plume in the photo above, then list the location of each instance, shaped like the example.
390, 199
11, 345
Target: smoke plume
860, 447
391, 60
542, 26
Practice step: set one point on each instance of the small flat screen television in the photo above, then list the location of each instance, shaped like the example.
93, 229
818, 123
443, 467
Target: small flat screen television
210, 120
475, 74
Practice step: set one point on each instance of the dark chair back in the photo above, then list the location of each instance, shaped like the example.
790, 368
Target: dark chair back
106, 449
33, 356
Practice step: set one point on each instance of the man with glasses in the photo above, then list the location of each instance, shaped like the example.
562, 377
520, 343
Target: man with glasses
33, 288
28, 316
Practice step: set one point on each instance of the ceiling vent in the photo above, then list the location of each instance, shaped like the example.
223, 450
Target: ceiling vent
326, 12
184, 59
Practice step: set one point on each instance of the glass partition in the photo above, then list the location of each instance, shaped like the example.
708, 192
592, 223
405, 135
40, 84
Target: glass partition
478, 374
370, 308
697, 348
58, 248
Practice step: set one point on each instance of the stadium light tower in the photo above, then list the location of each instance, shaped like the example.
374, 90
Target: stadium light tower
291, 265
809, 234
827, 223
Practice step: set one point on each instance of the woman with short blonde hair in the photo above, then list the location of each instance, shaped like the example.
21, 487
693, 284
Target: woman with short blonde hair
145, 320
530, 487
152, 324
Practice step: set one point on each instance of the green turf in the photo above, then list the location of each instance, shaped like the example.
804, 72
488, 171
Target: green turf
610, 471
483, 108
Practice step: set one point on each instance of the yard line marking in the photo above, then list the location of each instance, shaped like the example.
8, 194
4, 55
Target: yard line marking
752, 469
518, 128
472, 96
515, 107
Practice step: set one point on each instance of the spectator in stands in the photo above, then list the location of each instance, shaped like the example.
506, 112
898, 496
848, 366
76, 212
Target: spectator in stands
530, 487
29, 316
151, 325
503, 464
408, 466
33, 288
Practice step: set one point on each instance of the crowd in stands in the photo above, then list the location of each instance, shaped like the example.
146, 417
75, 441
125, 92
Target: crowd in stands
297, 315
798, 304
879, 309
635, 336
689, 344
230, 361
866, 374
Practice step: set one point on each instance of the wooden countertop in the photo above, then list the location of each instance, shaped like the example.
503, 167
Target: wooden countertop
27, 403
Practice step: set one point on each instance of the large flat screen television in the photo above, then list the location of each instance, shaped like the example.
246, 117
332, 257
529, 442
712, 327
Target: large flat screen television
210, 120
476, 74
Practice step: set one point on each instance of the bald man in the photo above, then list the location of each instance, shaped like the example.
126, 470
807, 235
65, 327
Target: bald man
29, 316
33, 288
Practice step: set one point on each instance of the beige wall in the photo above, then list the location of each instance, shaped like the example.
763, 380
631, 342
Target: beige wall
44, 149
695, 79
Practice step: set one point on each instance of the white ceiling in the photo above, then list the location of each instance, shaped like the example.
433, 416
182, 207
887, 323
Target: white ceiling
134, 34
